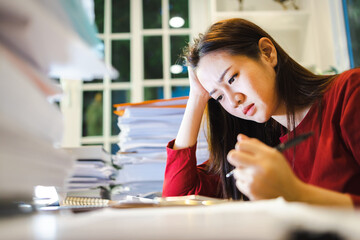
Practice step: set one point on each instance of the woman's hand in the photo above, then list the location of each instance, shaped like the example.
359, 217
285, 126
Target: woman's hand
196, 89
262, 172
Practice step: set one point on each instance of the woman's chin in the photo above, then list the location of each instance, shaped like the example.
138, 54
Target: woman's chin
260, 119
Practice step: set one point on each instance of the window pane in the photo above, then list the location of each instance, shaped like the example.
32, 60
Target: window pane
178, 68
180, 91
153, 57
179, 13
92, 113
120, 53
152, 14
151, 93
114, 148
99, 15
120, 12
117, 96
352, 19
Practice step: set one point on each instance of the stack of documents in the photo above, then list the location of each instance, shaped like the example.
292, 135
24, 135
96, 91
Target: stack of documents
30, 130
47, 34
92, 172
147, 127
145, 130
37, 39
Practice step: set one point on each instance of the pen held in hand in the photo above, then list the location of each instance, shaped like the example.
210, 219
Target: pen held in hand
283, 146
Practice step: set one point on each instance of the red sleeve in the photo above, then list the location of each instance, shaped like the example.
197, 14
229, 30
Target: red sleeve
350, 125
183, 177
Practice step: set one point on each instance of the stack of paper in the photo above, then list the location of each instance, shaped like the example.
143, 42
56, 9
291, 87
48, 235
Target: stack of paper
147, 127
145, 130
30, 130
45, 35
37, 39
93, 170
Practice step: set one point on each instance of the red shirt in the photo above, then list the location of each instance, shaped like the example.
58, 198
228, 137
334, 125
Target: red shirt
329, 159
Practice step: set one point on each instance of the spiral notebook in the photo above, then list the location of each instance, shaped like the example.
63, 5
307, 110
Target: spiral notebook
138, 202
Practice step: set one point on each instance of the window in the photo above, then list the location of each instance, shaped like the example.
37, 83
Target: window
143, 40
352, 25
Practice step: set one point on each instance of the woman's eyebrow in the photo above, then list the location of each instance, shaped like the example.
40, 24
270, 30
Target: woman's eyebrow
223, 74
220, 79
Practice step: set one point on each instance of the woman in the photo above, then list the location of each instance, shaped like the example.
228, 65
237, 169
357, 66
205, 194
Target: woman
257, 95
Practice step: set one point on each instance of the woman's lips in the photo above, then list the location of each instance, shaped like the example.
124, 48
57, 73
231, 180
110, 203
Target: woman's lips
249, 110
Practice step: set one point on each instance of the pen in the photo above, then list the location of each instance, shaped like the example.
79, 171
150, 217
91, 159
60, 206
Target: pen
283, 146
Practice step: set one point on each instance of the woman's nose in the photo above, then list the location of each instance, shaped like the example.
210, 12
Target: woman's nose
236, 99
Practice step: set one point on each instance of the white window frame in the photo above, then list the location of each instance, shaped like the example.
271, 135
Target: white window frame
72, 101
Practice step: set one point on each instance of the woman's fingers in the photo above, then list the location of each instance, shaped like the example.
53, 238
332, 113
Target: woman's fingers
240, 159
195, 85
191, 72
242, 137
243, 187
244, 174
247, 152
244, 178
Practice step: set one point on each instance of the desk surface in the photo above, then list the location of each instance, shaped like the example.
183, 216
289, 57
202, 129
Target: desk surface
271, 219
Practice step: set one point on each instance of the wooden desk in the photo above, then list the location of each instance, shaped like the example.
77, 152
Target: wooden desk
271, 219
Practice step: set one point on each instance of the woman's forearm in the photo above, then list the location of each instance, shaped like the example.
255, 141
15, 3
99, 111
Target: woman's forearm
321, 196
190, 125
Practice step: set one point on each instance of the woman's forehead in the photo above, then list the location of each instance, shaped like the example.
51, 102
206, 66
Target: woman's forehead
219, 61
213, 59
212, 68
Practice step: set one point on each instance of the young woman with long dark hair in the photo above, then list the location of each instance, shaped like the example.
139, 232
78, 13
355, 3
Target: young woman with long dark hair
256, 96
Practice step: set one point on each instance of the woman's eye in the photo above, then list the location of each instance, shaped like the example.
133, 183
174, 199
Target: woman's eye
232, 79
219, 98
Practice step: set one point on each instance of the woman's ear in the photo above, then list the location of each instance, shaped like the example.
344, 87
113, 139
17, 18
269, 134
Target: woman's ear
268, 51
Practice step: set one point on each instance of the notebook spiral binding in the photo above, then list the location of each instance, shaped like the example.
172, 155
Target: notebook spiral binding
85, 201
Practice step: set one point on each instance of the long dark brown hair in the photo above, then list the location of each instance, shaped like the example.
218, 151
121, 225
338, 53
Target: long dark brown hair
296, 87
